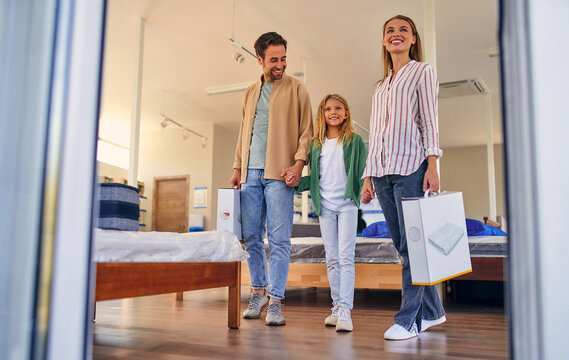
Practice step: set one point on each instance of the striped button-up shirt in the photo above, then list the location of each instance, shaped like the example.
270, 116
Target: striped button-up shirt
404, 121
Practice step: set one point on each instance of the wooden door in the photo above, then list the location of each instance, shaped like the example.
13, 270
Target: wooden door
170, 203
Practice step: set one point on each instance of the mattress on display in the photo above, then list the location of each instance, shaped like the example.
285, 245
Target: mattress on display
382, 250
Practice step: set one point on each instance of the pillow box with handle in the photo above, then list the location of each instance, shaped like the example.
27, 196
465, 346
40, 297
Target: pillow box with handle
119, 207
436, 237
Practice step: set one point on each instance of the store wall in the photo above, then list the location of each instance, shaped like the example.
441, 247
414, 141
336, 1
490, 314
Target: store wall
166, 153
466, 169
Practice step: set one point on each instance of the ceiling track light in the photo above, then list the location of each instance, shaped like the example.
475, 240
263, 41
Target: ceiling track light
238, 56
240, 47
186, 131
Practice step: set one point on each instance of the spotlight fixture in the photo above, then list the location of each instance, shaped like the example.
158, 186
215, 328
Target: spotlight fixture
240, 47
238, 57
164, 123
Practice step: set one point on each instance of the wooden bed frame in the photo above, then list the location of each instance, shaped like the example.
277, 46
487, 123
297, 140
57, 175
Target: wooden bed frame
380, 276
132, 279
368, 276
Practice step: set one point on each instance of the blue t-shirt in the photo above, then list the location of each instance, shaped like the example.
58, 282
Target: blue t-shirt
258, 149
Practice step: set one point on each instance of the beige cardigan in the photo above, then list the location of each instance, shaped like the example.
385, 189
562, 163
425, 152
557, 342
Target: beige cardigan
290, 127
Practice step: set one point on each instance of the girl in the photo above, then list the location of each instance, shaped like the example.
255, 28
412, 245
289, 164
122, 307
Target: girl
404, 147
337, 161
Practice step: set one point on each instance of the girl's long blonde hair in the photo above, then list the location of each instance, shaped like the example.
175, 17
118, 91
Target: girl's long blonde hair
415, 52
346, 129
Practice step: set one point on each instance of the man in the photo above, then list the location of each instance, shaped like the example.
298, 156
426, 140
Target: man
276, 127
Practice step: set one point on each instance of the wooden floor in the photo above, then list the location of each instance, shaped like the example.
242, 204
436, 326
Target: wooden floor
159, 327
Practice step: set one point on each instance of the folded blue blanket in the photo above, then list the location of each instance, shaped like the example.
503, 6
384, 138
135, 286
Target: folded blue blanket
473, 228
478, 228
377, 230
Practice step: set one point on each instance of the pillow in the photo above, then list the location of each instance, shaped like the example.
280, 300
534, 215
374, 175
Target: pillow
377, 230
478, 228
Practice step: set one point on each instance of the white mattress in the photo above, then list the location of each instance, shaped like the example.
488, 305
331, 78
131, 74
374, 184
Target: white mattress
138, 246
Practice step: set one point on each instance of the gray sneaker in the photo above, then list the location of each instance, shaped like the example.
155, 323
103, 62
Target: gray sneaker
274, 314
333, 317
344, 322
257, 303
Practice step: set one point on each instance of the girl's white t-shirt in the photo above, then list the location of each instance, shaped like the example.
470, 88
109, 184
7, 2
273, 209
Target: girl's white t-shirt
333, 178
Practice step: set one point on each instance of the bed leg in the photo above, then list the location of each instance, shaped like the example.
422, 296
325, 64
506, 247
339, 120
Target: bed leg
179, 296
233, 309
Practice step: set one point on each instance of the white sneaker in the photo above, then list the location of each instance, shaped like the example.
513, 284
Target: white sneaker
344, 322
333, 317
425, 324
398, 332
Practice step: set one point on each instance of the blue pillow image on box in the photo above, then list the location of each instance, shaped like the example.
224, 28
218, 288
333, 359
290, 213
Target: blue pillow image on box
377, 230
478, 228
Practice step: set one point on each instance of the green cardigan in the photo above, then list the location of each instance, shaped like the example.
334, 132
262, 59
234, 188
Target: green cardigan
355, 155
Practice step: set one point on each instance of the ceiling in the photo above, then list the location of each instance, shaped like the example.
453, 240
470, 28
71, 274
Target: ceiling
335, 43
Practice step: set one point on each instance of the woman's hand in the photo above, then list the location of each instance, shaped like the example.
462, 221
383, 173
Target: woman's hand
367, 191
431, 180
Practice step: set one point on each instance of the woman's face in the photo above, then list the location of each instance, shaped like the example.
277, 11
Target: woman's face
398, 36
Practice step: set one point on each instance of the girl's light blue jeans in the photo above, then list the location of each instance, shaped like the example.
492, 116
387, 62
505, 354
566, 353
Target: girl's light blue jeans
417, 302
271, 201
339, 230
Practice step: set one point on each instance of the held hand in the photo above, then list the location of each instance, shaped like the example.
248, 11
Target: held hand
292, 174
431, 180
367, 191
235, 180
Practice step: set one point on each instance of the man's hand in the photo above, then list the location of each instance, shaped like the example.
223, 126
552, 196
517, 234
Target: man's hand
292, 175
367, 191
235, 180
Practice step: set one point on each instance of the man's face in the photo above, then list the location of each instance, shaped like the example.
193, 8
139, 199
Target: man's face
274, 63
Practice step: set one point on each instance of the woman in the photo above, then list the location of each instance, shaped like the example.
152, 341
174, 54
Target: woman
401, 162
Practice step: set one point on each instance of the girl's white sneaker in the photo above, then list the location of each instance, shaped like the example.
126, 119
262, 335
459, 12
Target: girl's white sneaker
344, 322
332, 319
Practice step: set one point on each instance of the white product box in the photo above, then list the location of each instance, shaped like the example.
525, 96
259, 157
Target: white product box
436, 237
229, 211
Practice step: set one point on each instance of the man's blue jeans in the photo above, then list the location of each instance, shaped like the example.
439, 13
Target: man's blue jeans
417, 301
271, 201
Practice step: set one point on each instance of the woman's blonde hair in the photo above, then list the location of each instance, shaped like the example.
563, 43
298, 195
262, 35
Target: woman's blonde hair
415, 52
346, 129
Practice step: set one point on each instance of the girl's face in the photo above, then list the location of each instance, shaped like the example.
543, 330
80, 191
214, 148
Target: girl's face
398, 36
334, 113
